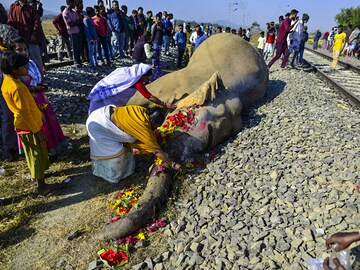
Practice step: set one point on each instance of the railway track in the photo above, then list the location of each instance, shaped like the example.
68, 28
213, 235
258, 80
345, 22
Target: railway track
346, 78
56, 64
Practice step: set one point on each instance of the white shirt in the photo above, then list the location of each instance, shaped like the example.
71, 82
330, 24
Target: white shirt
147, 49
262, 41
193, 37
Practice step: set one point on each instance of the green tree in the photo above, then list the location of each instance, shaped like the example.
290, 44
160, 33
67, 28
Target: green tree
349, 15
255, 26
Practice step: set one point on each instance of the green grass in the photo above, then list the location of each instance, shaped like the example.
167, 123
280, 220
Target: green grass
49, 28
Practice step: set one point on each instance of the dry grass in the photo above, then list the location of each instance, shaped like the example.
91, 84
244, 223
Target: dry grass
34, 229
49, 28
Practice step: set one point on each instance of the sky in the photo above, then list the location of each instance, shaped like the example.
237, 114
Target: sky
239, 12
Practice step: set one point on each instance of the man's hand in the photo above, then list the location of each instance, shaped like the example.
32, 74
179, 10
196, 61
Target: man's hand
343, 239
34, 39
41, 88
170, 106
338, 266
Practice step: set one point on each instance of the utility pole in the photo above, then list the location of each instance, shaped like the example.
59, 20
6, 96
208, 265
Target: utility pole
231, 10
107, 3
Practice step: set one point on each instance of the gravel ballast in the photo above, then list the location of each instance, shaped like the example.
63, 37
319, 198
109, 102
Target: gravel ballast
277, 190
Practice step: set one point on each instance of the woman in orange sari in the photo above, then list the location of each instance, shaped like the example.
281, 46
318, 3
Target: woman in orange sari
114, 132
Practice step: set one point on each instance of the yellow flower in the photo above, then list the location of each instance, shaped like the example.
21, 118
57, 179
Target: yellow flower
189, 165
141, 236
129, 193
342, 106
162, 129
158, 162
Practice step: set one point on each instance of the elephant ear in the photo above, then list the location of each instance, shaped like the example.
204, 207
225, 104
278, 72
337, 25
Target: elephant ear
206, 92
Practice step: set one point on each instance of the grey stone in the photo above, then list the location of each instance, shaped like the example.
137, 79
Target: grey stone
139, 266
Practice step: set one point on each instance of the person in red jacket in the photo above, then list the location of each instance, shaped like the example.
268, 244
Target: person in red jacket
281, 44
102, 30
26, 20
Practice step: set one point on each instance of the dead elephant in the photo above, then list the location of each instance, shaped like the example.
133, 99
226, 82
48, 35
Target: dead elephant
224, 75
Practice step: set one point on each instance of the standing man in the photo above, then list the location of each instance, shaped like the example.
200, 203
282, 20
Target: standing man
198, 37
134, 33
102, 30
141, 20
62, 35
91, 36
149, 20
168, 28
157, 35
85, 50
296, 37
25, 19
127, 22
189, 47
180, 40
339, 44
304, 39
72, 22
117, 28
281, 44
316, 39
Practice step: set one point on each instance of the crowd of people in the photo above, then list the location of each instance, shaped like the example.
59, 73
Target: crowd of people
287, 37
29, 123
290, 35
349, 37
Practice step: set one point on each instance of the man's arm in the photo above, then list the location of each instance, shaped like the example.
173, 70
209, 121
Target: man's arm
342, 240
55, 22
148, 52
68, 21
343, 44
11, 17
168, 162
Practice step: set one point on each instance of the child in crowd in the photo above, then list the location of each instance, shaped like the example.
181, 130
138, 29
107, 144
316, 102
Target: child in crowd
34, 82
261, 43
27, 116
270, 41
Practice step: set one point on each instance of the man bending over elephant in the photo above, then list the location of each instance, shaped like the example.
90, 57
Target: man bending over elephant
114, 132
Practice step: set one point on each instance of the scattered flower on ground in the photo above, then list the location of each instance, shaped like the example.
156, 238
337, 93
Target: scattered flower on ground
114, 256
124, 201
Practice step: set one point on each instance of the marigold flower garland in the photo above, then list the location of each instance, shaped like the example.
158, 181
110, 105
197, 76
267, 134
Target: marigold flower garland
181, 121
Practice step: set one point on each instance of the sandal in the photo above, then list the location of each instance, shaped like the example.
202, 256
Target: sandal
54, 187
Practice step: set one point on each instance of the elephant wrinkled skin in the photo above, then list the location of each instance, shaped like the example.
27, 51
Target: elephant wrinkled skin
226, 74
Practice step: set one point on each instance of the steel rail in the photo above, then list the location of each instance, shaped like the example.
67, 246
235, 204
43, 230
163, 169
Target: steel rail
347, 93
344, 64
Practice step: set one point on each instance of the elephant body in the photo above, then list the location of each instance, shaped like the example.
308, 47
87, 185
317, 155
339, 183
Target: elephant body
225, 74
241, 67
